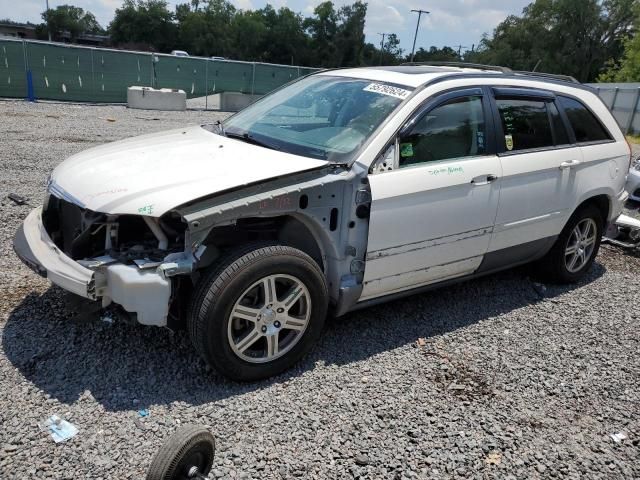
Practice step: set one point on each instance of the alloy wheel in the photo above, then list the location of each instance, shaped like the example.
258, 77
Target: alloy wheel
269, 318
580, 245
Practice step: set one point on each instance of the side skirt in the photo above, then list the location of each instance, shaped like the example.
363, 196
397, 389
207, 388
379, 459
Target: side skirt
493, 262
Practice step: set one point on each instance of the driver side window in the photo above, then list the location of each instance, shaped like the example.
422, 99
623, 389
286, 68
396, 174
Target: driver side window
454, 129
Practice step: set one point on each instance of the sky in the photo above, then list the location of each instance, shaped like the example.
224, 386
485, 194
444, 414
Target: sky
450, 22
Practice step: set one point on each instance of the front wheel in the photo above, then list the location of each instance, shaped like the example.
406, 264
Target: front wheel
576, 247
259, 311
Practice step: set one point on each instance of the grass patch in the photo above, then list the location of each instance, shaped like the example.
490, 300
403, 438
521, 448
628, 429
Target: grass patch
635, 139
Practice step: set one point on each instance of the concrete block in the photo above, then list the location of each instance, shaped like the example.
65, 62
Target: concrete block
147, 98
236, 101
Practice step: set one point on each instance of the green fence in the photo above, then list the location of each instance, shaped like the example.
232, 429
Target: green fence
49, 71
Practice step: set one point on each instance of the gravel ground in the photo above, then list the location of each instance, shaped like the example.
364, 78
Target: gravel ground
495, 378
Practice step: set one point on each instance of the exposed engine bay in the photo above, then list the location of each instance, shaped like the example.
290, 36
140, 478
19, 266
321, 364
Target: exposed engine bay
133, 256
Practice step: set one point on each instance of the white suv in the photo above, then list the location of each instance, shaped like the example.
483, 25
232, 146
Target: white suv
341, 190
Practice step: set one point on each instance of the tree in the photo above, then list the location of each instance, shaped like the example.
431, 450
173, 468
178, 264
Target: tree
322, 28
248, 33
628, 69
144, 24
349, 39
435, 54
285, 40
68, 19
571, 37
391, 52
206, 29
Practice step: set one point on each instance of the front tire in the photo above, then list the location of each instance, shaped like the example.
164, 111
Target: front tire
576, 248
258, 311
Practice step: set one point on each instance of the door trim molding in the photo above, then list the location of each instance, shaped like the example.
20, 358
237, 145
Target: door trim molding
421, 245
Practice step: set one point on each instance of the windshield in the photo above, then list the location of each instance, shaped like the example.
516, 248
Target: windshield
319, 116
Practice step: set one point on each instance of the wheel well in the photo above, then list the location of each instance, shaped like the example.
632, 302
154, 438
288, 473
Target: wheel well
601, 202
285, 229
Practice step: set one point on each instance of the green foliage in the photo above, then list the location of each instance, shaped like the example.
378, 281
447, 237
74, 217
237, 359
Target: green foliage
583, 38
629, 68
571, 37
141, 23
68, 19
434, 54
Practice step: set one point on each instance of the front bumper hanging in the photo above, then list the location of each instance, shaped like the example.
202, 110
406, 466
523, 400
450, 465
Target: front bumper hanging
143, 292
35, 248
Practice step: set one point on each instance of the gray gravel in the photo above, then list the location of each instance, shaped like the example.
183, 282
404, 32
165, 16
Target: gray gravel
495, 378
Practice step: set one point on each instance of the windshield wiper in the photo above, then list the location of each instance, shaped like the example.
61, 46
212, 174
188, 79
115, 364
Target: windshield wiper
246, 137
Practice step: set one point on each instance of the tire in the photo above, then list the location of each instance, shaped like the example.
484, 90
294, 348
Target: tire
242, 329
189, 446
556, 265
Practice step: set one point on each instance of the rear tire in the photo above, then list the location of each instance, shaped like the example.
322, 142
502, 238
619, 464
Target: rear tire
575, 250
258, 311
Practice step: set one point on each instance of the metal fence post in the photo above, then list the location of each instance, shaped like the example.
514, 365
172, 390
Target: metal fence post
632, 116
31, 96
253, 78
93, 75
206, 84
615, 97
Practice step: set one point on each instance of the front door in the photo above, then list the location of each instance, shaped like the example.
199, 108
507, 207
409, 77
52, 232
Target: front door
433, 214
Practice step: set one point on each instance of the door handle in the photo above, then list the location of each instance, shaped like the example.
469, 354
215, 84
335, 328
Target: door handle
484, 179
569, 164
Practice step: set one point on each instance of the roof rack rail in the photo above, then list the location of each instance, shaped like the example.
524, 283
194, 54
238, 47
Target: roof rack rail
478, 66
555, 76
497, 68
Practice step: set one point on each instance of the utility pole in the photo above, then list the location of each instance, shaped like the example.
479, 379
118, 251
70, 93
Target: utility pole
460, 47
48, 29
413, 49
382, 45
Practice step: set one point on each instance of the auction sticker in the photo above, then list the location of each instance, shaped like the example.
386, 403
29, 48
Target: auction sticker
387, 90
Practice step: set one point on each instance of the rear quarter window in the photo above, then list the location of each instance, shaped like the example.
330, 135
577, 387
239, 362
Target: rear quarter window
585, 125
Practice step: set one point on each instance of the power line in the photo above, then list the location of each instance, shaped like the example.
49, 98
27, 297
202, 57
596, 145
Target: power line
419, 12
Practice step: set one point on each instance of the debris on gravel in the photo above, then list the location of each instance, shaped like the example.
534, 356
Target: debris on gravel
495, 378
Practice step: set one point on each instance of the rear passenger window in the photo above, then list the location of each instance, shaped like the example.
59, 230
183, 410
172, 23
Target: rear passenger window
586, 126
525, 123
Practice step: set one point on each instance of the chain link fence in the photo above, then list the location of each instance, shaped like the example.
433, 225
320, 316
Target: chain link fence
623, 99
42, 70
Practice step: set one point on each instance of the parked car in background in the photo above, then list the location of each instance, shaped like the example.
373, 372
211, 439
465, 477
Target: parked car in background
342, 190
179, 53
218, 58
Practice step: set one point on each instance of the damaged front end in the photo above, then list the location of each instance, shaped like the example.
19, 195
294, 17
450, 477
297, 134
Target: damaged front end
132, 258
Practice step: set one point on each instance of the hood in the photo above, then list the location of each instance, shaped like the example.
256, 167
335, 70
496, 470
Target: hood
152, 174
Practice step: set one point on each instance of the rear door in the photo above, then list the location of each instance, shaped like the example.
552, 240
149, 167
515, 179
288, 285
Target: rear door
539, 162
432, 215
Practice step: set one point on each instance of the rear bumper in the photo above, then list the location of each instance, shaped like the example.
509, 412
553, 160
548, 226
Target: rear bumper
35, 248
618, 206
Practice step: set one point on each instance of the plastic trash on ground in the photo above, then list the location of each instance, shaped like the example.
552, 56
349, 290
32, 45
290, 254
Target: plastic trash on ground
618, 437
60, 429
